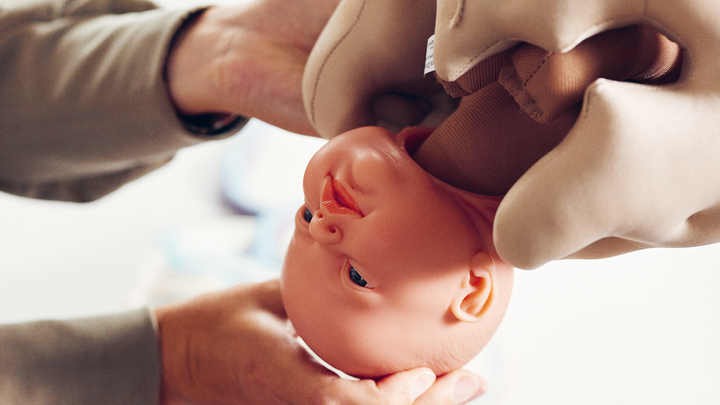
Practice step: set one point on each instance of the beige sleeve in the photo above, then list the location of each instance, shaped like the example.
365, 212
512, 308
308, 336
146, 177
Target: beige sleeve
103, 360
83, 102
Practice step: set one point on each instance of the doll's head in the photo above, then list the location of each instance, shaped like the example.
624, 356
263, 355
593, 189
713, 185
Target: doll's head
389, 268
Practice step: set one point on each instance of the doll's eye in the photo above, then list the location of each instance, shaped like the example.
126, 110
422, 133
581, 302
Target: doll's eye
307, 215
356, 278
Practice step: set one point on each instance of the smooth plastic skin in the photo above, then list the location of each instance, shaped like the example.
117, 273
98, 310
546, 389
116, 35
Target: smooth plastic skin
636, 170
395, 269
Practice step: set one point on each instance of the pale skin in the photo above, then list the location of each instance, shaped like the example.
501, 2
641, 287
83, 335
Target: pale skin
237, 346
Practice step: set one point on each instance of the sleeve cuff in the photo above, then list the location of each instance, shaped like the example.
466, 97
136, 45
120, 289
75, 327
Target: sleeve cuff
213, 124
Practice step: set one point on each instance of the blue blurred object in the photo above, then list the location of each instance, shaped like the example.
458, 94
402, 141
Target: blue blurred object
261, 180
262, 175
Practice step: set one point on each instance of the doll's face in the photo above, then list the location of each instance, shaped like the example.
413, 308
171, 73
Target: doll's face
379, 247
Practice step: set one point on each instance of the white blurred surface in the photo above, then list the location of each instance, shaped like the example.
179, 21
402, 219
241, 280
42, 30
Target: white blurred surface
643, 328
64, 259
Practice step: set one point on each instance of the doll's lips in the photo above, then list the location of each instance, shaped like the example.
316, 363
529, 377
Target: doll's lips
337, 200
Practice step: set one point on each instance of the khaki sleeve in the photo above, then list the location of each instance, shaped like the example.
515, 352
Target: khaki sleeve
103, 360
83, 101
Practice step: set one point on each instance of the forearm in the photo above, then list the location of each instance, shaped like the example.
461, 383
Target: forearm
103, 360
86, 98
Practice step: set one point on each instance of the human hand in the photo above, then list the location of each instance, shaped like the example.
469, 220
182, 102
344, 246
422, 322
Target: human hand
237, 347
247, 60
639, 168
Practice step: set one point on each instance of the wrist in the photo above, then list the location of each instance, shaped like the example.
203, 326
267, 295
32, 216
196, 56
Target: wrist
188, 87
186, 68
239, 60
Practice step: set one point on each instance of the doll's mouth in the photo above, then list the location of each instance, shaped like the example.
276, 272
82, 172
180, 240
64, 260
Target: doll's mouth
337, 200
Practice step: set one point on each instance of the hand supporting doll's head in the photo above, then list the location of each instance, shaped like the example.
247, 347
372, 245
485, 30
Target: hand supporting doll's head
390, 269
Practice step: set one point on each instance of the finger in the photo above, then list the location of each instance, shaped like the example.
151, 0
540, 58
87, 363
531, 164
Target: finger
405, 387
457, 387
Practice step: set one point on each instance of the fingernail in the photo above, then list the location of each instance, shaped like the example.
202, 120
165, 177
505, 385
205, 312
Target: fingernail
468, 387
422, 384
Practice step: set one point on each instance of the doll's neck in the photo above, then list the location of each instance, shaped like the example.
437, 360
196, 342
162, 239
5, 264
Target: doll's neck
480, 209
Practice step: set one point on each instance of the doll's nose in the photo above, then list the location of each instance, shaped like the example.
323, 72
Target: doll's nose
324, 230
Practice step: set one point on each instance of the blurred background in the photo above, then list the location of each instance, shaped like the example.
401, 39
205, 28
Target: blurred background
636, 329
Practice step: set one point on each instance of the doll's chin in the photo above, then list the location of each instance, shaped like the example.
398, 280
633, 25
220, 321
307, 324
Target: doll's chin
383, 368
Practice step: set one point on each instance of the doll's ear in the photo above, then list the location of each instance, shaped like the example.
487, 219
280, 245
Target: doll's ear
476, 295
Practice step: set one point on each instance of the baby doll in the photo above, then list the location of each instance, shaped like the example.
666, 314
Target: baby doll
390, 269
392, 264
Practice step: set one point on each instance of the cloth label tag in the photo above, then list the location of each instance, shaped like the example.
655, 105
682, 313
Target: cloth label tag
429, 61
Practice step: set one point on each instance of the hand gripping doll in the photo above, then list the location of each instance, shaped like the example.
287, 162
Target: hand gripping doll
636, 170
392, 265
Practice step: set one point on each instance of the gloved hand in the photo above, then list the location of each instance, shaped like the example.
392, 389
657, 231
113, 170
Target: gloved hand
635, 171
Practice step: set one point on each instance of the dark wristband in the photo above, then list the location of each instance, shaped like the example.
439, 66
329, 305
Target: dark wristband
213, 124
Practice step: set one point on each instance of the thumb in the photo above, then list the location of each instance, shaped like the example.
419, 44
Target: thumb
421, 387
269, 297
407, 386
